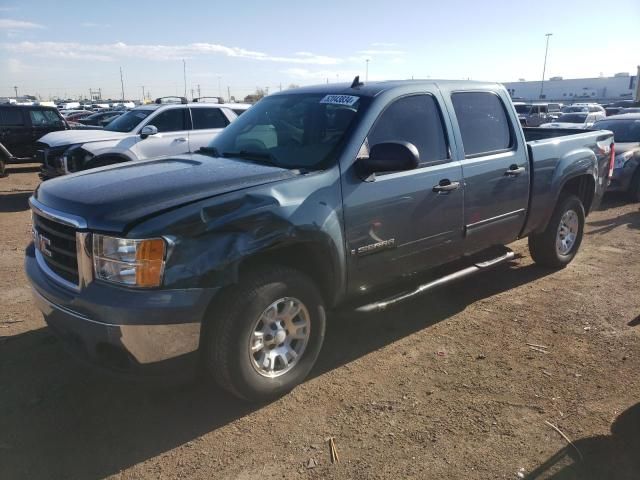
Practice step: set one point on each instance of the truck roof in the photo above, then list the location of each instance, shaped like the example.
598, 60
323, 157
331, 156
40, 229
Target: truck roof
372, 89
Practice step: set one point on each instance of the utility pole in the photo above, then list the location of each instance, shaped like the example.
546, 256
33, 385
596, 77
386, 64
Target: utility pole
544, 67
122, 84
184, 73
142, 86
199, 91
15, 88
366, 72
228, 94
192, 94
219, 90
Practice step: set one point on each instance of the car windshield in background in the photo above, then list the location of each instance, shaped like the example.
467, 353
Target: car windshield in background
624, 131
128, 121
290, 131
571, 109
572, 118
523, 109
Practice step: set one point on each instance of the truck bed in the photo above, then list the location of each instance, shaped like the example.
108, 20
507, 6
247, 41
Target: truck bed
534, 133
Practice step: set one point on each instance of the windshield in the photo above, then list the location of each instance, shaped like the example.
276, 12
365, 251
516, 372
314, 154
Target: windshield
572, 118
128, 121
523, 109
290, 131
624, 131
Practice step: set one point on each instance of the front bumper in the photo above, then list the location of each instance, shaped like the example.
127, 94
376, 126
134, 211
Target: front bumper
132, 332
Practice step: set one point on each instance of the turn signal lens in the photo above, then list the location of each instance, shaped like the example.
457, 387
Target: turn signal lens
150, 259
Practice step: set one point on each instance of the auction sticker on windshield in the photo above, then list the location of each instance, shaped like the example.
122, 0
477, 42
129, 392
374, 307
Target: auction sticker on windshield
348, 100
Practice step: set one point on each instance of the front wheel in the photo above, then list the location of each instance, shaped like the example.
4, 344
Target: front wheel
265, 336
560, 241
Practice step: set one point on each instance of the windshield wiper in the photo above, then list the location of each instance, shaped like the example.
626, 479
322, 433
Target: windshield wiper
211, 151
262, 157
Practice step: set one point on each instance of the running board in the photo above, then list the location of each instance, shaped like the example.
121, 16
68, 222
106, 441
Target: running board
465, 272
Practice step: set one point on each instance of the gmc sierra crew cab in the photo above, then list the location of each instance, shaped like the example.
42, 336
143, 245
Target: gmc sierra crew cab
314, 199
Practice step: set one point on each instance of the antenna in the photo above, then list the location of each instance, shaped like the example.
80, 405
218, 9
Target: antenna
356, 82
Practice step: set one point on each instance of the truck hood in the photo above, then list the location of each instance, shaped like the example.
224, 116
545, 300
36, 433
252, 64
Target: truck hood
72, 137
113, 198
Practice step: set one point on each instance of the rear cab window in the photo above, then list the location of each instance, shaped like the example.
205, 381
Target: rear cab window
484, 125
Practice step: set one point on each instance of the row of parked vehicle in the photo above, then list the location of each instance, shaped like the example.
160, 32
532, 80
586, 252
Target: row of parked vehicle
223, 251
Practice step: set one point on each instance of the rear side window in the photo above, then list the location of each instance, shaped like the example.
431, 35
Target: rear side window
415, 119
11, 117
483, 122
238, 111
171, 120
208, 118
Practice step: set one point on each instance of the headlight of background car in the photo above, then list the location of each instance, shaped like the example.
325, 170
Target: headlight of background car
75, 157
621, 159
138, 263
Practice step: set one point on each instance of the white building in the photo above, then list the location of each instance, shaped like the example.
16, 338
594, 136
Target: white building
621, 86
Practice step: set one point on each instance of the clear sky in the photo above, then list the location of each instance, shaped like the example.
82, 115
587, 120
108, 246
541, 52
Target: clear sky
65, 47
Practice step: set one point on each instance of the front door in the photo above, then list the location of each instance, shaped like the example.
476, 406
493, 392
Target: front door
496, 170
403, 222
172, 137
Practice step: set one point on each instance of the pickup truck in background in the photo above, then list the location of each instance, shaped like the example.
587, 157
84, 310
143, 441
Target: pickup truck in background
144, 132
315, 199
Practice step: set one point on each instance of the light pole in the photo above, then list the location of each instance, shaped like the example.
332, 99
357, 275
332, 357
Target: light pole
366, 72
544, 67
15, 88
184, 74
219, 89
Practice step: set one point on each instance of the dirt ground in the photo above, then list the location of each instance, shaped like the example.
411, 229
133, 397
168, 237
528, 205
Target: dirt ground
442, 387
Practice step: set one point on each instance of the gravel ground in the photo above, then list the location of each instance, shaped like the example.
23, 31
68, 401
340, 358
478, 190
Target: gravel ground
444, 386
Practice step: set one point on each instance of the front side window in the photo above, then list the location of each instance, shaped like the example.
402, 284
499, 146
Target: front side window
483, 122
11, 117
208, 118
415, 119
303, 130
43, 118
172, 120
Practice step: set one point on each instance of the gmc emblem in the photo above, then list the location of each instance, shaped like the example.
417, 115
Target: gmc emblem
42, 243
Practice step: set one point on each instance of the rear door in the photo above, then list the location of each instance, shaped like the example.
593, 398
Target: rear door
399, 222
172, 137
14, 131
495, 169
207, 122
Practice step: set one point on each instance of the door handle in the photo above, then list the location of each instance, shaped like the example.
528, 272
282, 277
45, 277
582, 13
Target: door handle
514, 171
181, 139
445, 186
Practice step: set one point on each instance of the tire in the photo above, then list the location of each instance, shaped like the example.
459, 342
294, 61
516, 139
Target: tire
230, 327
543, 246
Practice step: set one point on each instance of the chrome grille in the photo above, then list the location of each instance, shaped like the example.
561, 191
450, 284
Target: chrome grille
57, 247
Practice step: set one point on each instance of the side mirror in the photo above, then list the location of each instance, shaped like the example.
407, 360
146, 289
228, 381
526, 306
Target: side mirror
389, 157
148, 130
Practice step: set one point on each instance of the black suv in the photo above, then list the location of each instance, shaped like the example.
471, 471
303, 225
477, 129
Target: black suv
20, 128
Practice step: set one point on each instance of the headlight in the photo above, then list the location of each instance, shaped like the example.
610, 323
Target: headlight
137, 263
75, 157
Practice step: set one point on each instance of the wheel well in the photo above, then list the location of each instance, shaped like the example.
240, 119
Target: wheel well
582, 187
304, 257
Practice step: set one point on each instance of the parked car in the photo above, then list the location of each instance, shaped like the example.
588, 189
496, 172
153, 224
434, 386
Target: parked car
630, 110
613, 110
77, 116
144, 132
310, 201
100, 119
575, 120
20, 128
626, 167
583, 107
535, 114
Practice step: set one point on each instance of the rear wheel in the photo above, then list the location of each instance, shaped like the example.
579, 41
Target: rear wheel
559, 243
266, 334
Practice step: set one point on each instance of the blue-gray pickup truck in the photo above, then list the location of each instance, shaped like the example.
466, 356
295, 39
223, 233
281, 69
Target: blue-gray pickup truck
315, 199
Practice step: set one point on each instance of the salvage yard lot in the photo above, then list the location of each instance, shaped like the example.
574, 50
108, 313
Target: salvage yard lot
445, 386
